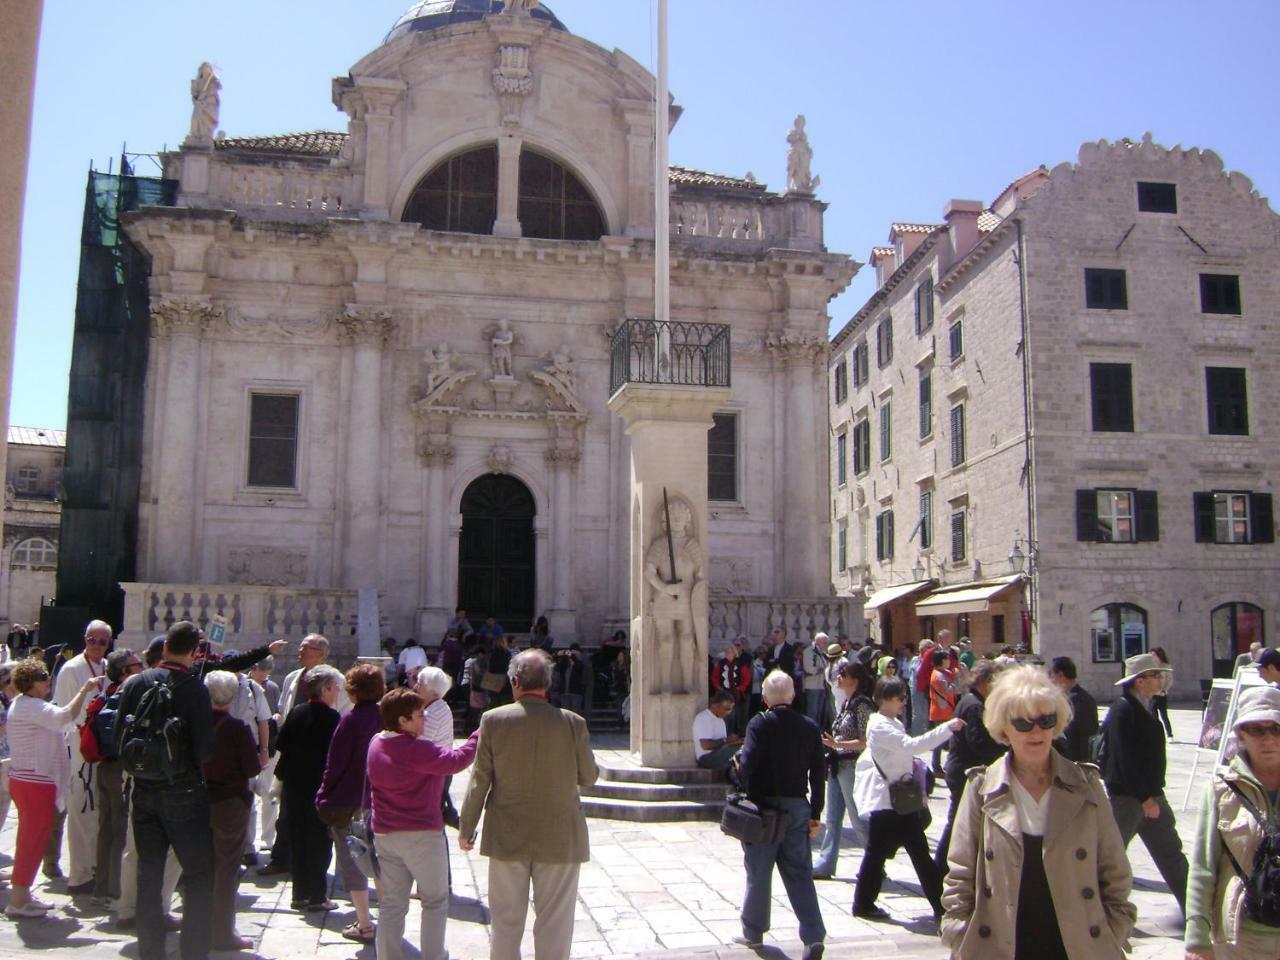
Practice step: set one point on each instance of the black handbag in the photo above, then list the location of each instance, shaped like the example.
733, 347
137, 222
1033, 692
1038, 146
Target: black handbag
906, 796
744, 820
1262, 883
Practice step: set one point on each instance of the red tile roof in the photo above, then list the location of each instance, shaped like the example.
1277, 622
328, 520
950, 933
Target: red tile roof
312, 143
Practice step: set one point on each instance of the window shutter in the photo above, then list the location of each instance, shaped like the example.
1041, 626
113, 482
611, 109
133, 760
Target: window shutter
919, 309
1086, 515
888, 536
880, 536
1205, 525
1148, 517
1261, 518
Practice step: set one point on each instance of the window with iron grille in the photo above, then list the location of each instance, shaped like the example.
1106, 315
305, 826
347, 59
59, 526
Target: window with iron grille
722, 457
926, 403
1219, 293
957, 435
273, 439
955, 339
926, 520
1228, 396
1157, 197
886, 430
1111, 390
1105, 289
924, 305
957, 537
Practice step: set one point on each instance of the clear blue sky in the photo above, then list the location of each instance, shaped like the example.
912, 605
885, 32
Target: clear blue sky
908, 105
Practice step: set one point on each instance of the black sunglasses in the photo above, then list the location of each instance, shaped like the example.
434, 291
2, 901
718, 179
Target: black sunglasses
1046, 721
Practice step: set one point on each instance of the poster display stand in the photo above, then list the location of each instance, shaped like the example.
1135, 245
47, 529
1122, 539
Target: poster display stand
1219, 715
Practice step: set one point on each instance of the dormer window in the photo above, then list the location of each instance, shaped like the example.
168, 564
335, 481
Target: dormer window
27, 480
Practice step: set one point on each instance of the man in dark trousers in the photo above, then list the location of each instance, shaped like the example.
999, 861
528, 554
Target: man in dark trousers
174, 813
780, 763
1133, 768
971, 746
1074, 742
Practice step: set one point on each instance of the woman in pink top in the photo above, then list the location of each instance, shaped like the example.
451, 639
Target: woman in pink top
406, 778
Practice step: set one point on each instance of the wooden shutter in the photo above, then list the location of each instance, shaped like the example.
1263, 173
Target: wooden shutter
1087, 515
1206, 527
1261, 518
888, 535
1148, 517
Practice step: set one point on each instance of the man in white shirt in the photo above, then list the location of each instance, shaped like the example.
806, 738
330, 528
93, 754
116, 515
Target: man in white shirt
82, 812
713, 748
813, 661
252, 708
410, 662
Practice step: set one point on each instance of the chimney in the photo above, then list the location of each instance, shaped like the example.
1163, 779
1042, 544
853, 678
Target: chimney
961, 217
885, 261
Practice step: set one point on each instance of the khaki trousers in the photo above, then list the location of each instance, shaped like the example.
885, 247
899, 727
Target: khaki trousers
82, 820
555, 895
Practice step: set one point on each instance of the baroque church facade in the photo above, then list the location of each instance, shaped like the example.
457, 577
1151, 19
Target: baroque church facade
379, 357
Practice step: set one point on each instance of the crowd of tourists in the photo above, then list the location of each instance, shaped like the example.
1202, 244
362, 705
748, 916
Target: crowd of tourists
175, 765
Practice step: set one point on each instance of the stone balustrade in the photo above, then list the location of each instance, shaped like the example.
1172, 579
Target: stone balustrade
755, 617
718, 220
255, 615
289, 189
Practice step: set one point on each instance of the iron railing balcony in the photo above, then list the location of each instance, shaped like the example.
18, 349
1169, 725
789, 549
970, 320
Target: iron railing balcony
685, 354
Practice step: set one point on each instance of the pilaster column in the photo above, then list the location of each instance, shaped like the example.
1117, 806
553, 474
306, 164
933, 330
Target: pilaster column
371, 100
562, 459
178, 323
639, 118
436, 456
803, 536
366, 329
507, 223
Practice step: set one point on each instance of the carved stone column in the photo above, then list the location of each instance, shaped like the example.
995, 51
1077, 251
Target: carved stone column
638, 115
179, 323
370, 100
507, 223
562, 460
433, 615
366, 330
803, 536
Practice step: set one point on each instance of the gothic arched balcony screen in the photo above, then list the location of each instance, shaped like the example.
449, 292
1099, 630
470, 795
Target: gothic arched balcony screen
686, 354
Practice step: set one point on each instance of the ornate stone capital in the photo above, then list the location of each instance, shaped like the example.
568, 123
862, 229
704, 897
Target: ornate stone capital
359, 324
174, 316
512, 80
795, 345
434, 453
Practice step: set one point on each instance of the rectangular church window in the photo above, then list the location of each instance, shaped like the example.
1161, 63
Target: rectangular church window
722, 457
273, 439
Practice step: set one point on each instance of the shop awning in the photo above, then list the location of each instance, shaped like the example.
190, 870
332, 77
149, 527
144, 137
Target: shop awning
897, 592
969, 598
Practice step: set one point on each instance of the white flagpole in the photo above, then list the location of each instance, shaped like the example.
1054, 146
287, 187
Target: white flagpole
662, 201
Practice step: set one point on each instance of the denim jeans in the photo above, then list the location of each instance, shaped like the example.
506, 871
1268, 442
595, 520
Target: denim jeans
795, 864
839, 800
919, 712
178, 817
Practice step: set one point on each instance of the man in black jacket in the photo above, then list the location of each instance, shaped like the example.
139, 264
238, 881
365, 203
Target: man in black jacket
1074, 742
1133, 768
174, 813
972, 746
782, 761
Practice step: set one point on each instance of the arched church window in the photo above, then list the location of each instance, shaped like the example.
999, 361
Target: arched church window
460, 195
36, 552
554, 203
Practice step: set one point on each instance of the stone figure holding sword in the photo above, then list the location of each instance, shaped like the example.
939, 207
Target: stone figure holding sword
675, 571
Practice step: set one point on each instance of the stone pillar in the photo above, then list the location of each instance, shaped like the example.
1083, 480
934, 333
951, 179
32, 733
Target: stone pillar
562, 614
179, 323
366, 330
639, 117
668, 426
804, 534
507, 223
370, 101
434, 614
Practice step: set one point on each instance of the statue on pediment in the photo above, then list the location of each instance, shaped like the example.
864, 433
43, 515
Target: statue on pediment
799, 160
562, 366
439, 366
514, 8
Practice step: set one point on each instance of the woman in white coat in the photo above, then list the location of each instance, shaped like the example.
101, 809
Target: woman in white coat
888, 759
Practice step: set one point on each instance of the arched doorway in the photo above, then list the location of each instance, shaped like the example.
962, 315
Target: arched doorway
496, 572
1233, 626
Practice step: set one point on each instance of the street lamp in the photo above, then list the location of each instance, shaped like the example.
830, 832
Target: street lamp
917, 572
1017, 559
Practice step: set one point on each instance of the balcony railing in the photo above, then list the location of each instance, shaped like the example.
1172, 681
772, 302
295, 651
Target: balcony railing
685, 354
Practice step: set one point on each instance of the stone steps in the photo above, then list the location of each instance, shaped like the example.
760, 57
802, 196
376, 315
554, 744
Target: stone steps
648, 811
656, 792
627, 791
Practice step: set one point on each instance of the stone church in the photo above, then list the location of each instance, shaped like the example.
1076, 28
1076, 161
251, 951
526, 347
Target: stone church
378, 358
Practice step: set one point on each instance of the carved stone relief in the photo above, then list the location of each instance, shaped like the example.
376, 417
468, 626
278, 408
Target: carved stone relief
734, 576
172, 316
267, 566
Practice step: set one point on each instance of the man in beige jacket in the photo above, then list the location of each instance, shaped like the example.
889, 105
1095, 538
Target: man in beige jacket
532, 759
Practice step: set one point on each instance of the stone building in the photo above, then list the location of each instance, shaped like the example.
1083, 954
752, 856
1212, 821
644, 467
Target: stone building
33, 484
1055, 421
379, 357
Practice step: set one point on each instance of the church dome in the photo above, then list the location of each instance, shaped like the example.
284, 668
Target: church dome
431, 14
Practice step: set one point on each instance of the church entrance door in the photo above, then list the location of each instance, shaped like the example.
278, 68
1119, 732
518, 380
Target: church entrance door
496, 572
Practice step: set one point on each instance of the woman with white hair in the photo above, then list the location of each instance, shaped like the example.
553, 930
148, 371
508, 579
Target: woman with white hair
1037, 864
432, 685
227, 774
303, 747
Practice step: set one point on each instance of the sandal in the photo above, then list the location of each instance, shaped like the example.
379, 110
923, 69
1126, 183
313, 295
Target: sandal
353, 931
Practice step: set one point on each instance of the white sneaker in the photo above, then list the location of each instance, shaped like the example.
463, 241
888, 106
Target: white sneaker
32, 908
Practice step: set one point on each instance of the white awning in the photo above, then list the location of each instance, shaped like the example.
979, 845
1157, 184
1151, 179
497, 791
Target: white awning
970, 598
897, 592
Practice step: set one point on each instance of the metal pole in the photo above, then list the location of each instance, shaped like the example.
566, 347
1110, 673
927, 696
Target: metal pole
662, 189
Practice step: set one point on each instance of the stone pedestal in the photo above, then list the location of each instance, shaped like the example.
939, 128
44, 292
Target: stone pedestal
668, 426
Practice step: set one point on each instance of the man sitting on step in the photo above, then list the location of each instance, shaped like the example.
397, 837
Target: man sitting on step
713, 748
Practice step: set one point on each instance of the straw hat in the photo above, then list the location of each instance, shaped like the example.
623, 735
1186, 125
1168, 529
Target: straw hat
1142, 663
834, 651
1258, 705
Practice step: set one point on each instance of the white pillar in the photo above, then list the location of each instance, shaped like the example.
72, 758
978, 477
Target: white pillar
562, 614
436, 609
804, 537
507, 223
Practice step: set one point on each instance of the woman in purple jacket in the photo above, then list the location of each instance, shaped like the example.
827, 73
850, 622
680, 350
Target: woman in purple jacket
344, 777
406, 777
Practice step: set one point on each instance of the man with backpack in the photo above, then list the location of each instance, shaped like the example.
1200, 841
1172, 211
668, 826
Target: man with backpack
1132, 760
98, 744
164, 735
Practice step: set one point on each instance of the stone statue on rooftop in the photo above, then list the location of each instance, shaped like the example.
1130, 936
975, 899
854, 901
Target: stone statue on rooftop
205, 104
519, 7
799, 159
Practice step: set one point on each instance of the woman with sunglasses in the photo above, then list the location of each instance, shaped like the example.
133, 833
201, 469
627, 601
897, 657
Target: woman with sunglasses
39, 769
1243, 796
1037, 864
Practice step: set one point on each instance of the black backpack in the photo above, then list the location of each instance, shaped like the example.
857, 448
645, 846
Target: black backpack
1262, 883
153, 740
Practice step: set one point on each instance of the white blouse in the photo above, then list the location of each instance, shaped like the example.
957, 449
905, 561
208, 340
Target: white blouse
37, 748
1032, 813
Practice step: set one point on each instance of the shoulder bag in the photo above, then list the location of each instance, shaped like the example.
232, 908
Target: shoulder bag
359, 838
1262, 883
906, 796
744, 820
